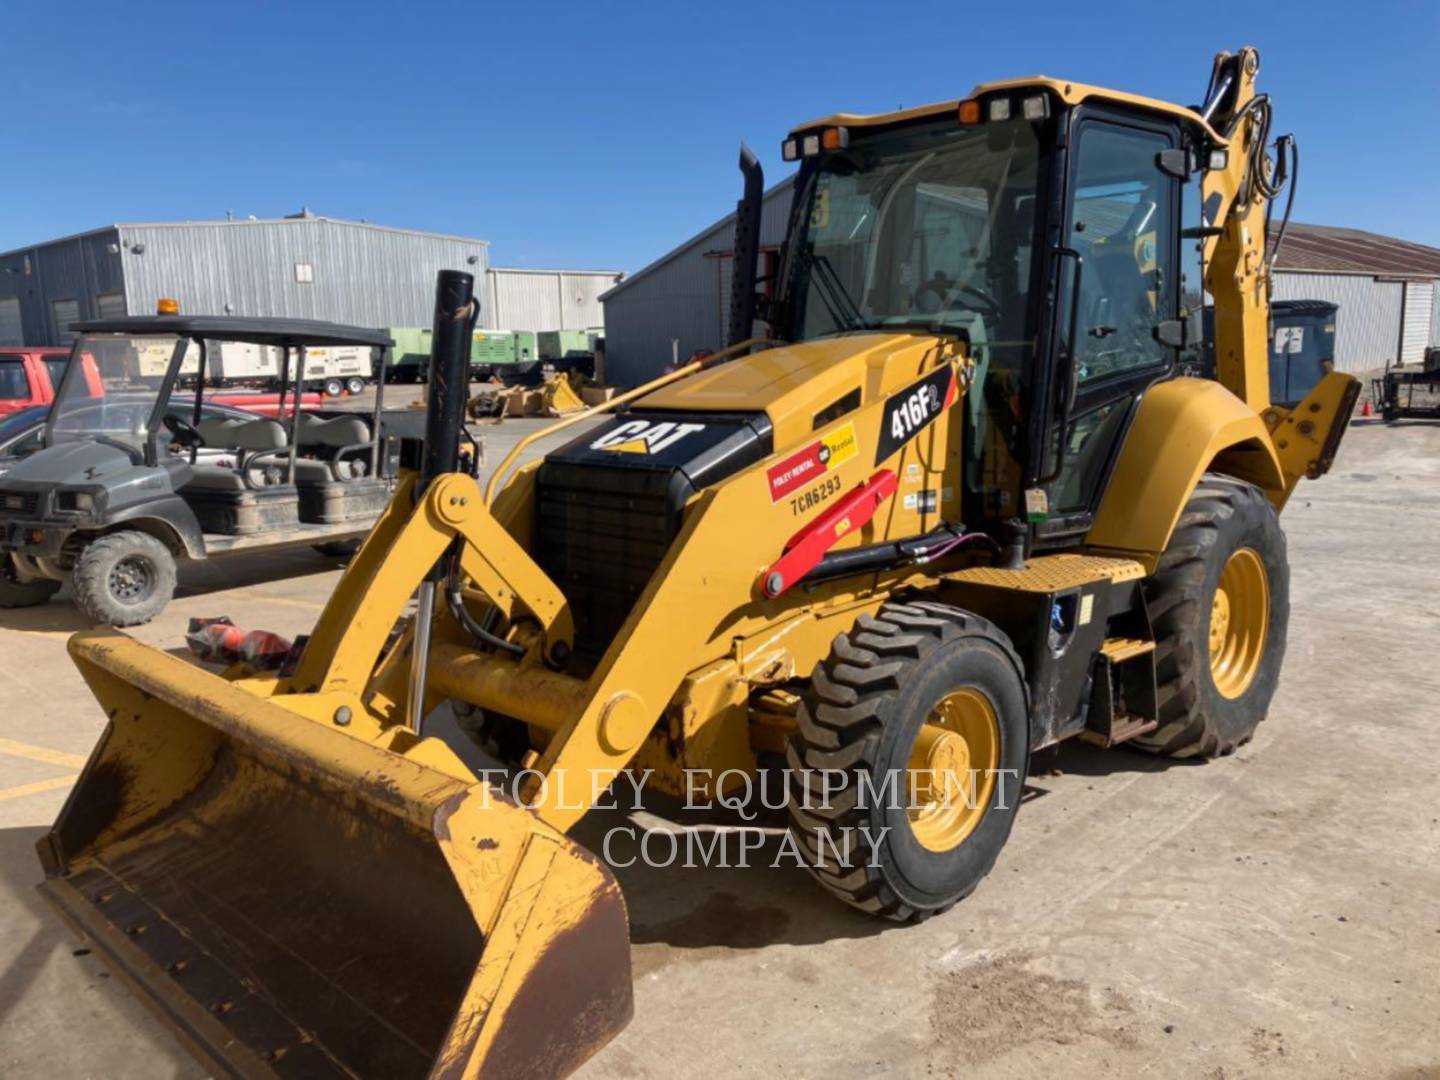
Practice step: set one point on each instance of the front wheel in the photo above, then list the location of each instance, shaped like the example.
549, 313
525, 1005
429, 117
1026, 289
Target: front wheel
908, 759
1219, 601
355, 384
16, 592
334, 387
123, 579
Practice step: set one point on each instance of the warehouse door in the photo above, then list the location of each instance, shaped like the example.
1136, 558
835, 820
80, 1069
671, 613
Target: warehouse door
1415, 322
62, 314
110, 305
12, 330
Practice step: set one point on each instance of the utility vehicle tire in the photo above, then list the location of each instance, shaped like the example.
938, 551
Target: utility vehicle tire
918, 685
1219, 602
333, 387
15, 593
355, 384
338, 549
123, 578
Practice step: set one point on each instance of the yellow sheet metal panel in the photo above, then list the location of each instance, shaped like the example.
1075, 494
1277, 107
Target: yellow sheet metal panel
1182, 427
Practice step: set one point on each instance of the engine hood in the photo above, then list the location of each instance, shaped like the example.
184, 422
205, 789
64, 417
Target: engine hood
794, 384
84, 462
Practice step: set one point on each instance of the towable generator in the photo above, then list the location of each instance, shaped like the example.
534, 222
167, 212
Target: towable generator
954, 505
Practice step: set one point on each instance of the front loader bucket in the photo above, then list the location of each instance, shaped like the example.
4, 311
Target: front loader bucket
295, 901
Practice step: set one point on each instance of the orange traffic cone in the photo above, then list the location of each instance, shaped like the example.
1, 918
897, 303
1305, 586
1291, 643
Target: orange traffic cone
1365, 409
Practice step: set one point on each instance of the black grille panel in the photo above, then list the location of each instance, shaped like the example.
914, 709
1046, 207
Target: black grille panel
600, 535
19, 503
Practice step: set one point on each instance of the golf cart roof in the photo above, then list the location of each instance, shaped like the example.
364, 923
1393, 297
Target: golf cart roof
253, 331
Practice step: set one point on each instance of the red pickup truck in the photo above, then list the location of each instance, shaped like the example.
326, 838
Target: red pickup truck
30, 375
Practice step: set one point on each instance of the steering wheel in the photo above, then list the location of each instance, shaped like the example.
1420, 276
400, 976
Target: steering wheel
182, 432
942, 289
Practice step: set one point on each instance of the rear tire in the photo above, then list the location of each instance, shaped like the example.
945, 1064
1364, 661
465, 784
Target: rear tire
123, 579
862, 722
15, 593
1214, 691
355, 385
334, 387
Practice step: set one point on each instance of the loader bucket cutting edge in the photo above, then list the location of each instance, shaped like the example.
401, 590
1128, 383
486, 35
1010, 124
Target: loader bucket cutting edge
295, 901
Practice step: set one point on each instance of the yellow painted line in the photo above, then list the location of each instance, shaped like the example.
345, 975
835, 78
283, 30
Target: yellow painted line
53, 635
41, 753
37, 787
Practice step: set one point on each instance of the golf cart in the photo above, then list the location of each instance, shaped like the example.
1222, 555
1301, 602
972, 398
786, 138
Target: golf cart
126, 484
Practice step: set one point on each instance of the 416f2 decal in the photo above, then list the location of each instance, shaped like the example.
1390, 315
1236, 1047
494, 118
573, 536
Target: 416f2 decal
914, 409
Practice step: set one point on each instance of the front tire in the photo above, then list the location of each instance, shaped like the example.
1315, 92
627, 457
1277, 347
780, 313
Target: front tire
355, 384
919, 699
334, 387
16, 593
1219, 601
123, 579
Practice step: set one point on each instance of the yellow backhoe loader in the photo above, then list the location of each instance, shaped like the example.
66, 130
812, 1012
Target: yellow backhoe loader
955, 504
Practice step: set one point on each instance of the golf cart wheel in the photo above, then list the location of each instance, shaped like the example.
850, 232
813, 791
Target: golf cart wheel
123, 579
1219, 601
18, 593
907, 761
355, 384
334, 387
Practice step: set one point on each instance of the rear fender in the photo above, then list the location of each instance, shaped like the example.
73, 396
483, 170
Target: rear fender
1184, 428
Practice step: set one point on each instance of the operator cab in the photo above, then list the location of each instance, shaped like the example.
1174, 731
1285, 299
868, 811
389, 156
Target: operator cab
1037, 222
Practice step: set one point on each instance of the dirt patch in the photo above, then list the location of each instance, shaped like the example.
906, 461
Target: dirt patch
1266, 1047
1004, 1002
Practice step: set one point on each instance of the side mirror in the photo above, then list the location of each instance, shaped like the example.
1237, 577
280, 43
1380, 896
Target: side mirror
1172, 334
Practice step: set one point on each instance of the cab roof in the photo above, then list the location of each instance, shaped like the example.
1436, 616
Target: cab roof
1072, 93
247, 329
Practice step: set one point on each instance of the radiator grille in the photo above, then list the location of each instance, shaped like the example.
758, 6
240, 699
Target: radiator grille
600, 535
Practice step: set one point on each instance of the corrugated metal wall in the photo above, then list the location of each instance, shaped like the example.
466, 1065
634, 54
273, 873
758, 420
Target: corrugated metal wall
678, 298
1367, 329
1419, 307
547, 299
71, 274
361, 274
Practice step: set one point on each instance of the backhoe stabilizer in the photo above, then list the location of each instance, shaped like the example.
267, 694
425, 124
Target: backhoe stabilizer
296, 900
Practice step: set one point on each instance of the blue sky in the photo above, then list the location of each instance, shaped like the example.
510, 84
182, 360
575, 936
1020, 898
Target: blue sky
599, 135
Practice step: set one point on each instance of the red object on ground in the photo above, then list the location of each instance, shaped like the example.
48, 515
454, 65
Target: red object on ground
1365, 407
29, 376
807, 547
221, 641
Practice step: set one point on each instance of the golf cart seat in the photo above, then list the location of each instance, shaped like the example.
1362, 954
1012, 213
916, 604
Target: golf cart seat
251, 495
251, 436
333, 477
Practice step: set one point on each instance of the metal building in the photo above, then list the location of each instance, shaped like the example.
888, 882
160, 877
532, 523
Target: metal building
300, 267
1386, 290
520, 299
680, 303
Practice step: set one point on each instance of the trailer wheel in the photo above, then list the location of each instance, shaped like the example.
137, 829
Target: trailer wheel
355, 384
124, 578
1219, 602
333, 387
16, 593
907, 761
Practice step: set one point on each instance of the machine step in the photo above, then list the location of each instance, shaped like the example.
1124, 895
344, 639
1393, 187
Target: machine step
1126, 727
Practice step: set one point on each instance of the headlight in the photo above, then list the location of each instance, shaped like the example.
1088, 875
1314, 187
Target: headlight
79, 501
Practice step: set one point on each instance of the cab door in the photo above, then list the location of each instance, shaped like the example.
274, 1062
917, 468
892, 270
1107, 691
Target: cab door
1121, 239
